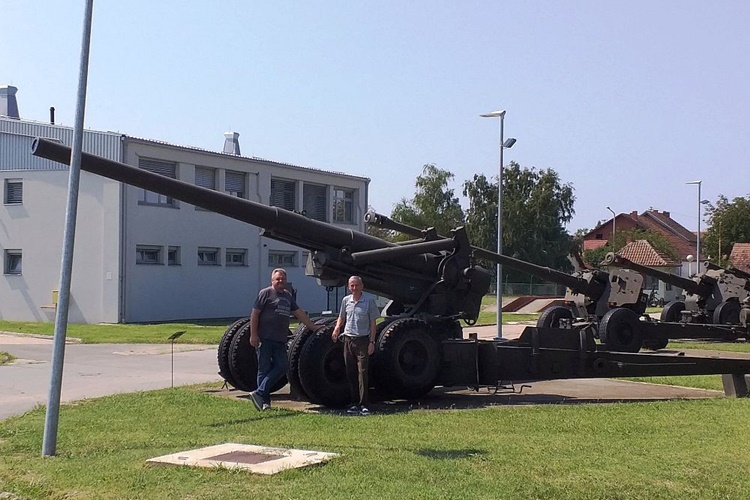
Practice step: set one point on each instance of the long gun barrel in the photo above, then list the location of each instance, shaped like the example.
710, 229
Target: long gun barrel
590, 288
701, 288
428, 279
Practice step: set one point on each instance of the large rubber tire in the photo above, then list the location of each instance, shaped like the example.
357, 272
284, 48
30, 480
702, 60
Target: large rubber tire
620, 330
243, 363
672, 312
655, 344
551, 317
408, 359
299, 337
322, 373
728, 313
224, 347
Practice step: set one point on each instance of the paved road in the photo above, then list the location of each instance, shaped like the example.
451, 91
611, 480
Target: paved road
93, 370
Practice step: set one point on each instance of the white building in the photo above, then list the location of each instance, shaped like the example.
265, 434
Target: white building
143, 257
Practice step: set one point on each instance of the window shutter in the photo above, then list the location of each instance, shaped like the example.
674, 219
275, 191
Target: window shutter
283, 194
205, 177
234, 183
14, 194
314, 202
164, 168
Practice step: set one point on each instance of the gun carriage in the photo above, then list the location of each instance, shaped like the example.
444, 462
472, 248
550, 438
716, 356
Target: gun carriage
432, 284
714, 300
608, 304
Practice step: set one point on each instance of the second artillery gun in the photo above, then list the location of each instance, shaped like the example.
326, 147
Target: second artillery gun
432, 285
605, 303
713, 297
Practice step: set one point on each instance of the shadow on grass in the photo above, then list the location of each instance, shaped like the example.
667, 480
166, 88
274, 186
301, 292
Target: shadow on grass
452, 398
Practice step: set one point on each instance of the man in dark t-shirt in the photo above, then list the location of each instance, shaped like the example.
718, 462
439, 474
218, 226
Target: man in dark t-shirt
269, 326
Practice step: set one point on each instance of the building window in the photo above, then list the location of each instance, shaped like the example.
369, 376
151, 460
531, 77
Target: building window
173, 256
167, 169
205, 177
13, 261
282, 259
208, 257
283, 194
234, 183
236, 257
343, 205
13, 191
148, 254
314, 201
599, 236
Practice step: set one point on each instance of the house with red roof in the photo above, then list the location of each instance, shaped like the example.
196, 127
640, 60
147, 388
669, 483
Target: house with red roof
641, 252
740, 257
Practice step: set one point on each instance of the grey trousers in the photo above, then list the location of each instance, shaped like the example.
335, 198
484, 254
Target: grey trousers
357, 361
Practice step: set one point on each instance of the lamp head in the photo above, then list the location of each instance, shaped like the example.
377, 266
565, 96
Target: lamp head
495, 114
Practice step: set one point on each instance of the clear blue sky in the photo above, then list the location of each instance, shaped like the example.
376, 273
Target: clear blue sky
625, 100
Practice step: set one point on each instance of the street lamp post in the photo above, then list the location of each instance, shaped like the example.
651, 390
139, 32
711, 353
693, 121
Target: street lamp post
503, 144
614, 226
698, 234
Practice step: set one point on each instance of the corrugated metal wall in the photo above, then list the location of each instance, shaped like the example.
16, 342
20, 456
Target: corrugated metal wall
16, 137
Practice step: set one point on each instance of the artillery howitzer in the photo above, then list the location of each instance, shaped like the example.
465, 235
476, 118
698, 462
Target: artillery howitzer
432, 284
593, 298
713, 297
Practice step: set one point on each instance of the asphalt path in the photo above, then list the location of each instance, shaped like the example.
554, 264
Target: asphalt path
94, 370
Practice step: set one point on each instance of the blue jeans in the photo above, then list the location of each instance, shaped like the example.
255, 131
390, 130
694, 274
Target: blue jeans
272, 365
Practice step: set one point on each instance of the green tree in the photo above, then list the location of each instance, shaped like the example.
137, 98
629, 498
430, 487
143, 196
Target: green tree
536, 206
434, 203
729, 223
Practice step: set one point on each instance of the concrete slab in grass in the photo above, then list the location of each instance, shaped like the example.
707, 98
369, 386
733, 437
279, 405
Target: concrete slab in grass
253, 458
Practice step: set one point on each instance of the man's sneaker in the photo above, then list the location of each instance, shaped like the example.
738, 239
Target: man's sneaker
265, 407
364, 411
353, 410
257, 400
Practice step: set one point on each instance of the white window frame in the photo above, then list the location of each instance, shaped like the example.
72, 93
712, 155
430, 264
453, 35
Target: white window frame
13, 192
176, 260
340, 197
282, 258
236, 257
149, 255
209, 256
13, 262
160, 167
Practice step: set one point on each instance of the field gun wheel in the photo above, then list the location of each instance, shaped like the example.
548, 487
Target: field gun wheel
551, 317
223, 350
672, 312
321, 370
243, 363
655, 344
620, 330
297, 342
728, 313
408, 359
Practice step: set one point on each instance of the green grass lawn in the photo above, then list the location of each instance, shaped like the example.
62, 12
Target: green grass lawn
677, 449
674, 449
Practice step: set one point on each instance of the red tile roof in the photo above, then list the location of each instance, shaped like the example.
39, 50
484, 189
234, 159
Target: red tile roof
678, 236
641, 252
740, 256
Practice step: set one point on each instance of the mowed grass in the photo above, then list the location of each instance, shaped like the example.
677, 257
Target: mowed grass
676, 449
